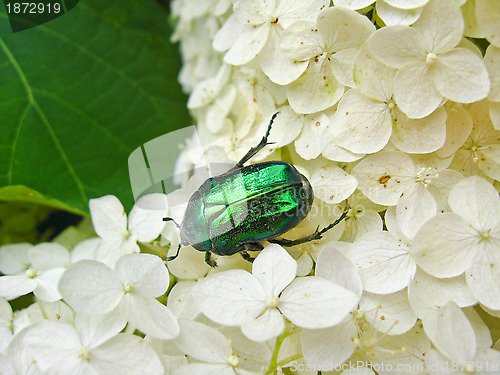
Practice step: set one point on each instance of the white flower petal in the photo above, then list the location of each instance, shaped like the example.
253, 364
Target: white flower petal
97, 329
483, 277
205, 369
384, 176
330, 347
146, 272
14, 258
6, 366
477, 202
253, 13
394, 16
334, 266
202, 342
230, 297
406, 4
495, 114
492, 63
314, 302
301, 41
389, 313
353, 4
46, 288
443, 246
397, 46
362, 222
414, 209
427, 293
126, 355
458, 129
277, 65
308, 144
383, 262
145, 220
342, 28
332, 185
488, 16
17, 285
109, 250
54, 345
456, 344
108, 216
290, 11
461, 76
48, 255
315, 90
248, 44
264, 327
180, 300
274, 268
419, 135
90, 286
414, 90
361, 125
85, 249
228, 33
149, 316
286, 127
373, 79
441, 25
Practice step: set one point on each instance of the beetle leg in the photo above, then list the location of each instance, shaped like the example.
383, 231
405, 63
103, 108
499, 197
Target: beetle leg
208, 260
176, 254
172, 220
252, 246
263, 143
315, 236
247, 257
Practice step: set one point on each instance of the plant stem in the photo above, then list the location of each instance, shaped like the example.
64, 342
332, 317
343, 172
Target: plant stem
42, 309
290, 359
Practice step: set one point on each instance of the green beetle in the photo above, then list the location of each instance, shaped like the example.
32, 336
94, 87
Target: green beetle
231, 213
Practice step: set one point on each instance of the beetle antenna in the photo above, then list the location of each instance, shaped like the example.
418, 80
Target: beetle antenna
176, 254
172, 220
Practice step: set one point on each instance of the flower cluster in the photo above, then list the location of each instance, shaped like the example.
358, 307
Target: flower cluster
386, 104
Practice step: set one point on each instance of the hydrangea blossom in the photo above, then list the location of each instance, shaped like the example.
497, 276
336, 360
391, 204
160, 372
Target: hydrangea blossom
430, 66
407, 284
256, 301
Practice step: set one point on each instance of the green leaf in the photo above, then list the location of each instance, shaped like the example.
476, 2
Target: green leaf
19, 193
80, 93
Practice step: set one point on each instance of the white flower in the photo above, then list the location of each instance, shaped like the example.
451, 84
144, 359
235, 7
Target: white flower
91, 287
329, 47
480, 154
418, 187
120, 237
94, 346
255, 28
468, 240
367, 117
34, 269
212, 99
208, 345
388, 313
383, 258
430, 67
361, 218
255, 301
